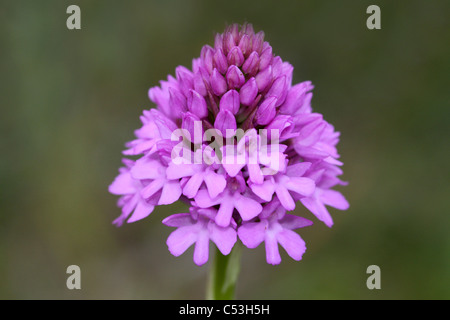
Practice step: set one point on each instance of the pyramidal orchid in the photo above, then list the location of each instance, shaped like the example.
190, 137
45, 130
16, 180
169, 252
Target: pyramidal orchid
239, 143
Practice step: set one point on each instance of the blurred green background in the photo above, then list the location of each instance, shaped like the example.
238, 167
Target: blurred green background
71, 99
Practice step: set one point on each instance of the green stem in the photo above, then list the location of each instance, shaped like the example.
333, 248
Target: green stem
224, 274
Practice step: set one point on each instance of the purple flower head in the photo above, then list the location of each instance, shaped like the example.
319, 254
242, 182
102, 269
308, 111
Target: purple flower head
240, 144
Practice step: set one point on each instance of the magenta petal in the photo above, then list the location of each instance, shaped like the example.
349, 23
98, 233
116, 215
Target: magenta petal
278, 90
152, 188
233, 164
285, 198
181, 239
255, 173
122, 184
142, 210
178, 220
247, 207
252, 233
265, 190
298, 169
308, 152
147, 169
201, 251
224, 214
318, 209
311, 133
192, 186
141, 147
215, 183
292, 243
301, 185
290, 221
272, 253
177, 171
203, 200
171, 192
224, 238
295, 97
335, 199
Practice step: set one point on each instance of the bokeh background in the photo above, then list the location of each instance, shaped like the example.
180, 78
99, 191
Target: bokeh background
70, 100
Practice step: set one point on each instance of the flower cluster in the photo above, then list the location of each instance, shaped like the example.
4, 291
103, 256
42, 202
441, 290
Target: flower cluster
237, 186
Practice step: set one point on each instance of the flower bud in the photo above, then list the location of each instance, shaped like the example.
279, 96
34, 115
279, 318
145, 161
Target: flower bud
220, 61
251, 65
278, 90
264, 78
235, 77
230, 101
235, 57
266, 111
228, 42
226, 120
266, 58
245, 44
185, 79
177, 101
199, 84
218, 83
248, 92
197, 104
218, 42
193, 125
207, 56
258, 40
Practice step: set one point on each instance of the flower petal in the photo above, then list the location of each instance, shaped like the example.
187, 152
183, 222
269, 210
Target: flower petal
192, 186
179, 220
224, 214
272, 253
181, 239
285, 198
171, 192
247, 207
201, 251
152, 188
301, 185
252, 233
142, 210
224, 238
177, 171
203, 200
291, 222
292, 243
318, 209
265, 190
335, 199
215, 183
122, 184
